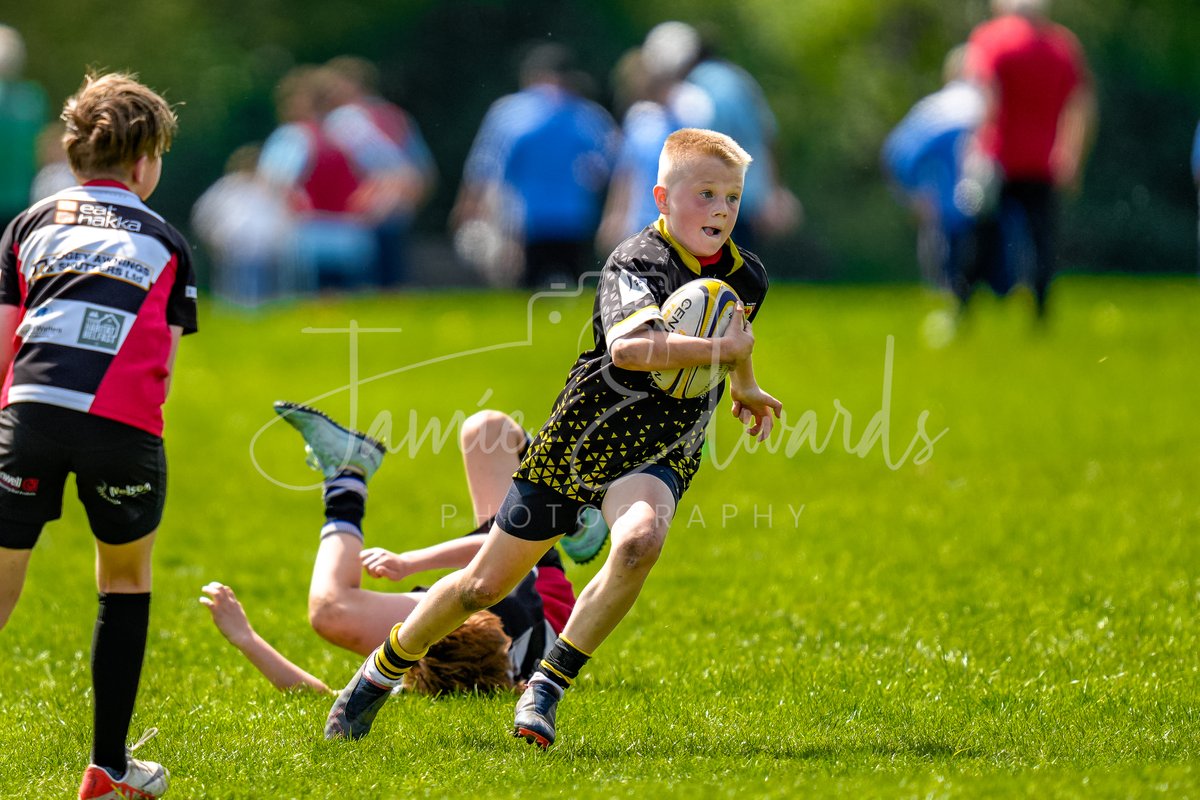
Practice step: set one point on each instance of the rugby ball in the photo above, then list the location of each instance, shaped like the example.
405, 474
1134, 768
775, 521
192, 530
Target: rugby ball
703, 308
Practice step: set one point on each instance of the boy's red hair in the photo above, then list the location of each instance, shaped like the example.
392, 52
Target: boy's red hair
687, 145
473, 658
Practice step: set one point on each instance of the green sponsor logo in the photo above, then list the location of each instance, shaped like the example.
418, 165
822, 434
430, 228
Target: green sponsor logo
101, 328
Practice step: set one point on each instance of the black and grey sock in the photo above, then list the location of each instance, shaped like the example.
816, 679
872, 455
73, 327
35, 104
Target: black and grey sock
345, 504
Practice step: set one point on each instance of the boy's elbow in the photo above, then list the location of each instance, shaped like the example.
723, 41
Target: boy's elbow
626, 354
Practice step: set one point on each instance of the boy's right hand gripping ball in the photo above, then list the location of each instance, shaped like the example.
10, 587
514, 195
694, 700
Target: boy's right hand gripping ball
702, 307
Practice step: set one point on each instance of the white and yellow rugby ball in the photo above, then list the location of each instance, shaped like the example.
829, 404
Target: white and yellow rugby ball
702, 307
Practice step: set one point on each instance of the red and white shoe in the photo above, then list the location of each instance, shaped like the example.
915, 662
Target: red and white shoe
143, 780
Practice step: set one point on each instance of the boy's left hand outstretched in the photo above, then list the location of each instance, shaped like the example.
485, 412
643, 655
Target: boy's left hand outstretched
754, 407
227, 613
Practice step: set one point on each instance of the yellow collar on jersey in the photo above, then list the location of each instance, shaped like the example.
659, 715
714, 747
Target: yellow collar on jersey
692, 262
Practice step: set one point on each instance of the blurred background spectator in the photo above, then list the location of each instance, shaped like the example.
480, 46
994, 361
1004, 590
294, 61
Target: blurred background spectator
737, 107
646, 121
837, 77
534, 180
22, 115
244, 225
1039, 120
653, 103
925, 156
1196, 172
54, 172
334, 243
400, 173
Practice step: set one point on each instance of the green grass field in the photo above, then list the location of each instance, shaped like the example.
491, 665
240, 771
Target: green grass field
1013, 612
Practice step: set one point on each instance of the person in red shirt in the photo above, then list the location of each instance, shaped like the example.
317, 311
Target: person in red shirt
399, 171
333, 245
1041, 113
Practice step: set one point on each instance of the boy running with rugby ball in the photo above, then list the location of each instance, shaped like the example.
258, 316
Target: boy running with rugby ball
613, 440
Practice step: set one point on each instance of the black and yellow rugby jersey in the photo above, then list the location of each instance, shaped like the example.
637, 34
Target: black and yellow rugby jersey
607, 421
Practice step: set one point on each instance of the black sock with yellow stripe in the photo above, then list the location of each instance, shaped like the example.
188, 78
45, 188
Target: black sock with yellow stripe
387, 665
563, 663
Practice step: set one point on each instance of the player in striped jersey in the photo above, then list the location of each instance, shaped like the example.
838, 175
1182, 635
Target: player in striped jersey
95, 292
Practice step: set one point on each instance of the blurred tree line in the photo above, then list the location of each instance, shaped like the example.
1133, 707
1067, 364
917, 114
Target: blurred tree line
839, 74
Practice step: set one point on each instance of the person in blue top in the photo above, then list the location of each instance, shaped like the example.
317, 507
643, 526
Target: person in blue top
656, 104
736, 106
1196, 163
537, 171
926, 157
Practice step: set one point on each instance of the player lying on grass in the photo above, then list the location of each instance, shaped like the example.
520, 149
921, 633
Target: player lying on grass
491, 650
613, 440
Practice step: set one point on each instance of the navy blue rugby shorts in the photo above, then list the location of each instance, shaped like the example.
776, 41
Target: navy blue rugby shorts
536, 513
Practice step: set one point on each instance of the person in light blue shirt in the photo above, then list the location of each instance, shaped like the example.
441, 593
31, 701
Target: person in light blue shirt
647, 125
736, 106
926, 157
653, 105
1196, 156
537, 172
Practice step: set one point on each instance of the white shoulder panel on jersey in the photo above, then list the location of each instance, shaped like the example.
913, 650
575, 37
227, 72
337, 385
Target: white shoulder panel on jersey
57, 249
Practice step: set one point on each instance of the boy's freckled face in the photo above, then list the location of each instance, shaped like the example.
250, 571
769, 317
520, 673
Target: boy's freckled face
701, 204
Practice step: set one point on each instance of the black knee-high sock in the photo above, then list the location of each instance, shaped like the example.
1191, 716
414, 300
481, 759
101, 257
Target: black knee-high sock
118, 645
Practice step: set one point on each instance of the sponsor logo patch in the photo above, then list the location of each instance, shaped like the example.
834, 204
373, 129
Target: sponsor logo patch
95, 215
85, 263
17, 485
101, 328
38, 325
115, 494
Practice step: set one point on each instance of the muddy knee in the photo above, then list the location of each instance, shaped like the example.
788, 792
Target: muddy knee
476, 595
640, 548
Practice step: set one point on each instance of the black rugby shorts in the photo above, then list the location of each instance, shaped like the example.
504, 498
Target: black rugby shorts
120, 474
